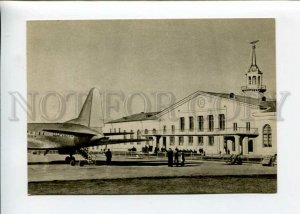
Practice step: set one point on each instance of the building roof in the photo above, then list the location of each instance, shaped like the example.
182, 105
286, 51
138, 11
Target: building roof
239, 98
267, 106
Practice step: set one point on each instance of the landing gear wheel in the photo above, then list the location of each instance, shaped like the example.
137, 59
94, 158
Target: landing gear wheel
72, 158
68, 159
72, 162
81, 163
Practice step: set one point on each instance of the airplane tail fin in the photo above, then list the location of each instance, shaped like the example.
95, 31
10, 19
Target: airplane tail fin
91, 114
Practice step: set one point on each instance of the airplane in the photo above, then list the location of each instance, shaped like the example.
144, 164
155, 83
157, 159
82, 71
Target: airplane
73, 136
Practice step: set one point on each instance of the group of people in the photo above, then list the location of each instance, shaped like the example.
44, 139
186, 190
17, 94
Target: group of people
178, 158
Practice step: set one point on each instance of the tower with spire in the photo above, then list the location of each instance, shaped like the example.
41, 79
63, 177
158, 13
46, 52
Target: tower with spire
254, 77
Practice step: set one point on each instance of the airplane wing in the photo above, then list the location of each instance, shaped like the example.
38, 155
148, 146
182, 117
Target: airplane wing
75, 133
107, 141
117, 133
116, 141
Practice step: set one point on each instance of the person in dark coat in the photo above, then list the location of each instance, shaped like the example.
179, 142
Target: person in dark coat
108, 156
170, 157
176, 157
182, 159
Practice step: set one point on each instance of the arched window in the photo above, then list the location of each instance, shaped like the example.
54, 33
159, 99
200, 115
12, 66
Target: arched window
154, 131
258, 80
146, 131
267, 136
249, 80
254, 80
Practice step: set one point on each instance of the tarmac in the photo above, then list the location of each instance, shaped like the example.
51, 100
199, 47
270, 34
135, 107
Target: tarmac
121, 167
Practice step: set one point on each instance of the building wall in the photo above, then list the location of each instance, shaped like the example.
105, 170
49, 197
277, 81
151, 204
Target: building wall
226, 138
263, 119
205, 105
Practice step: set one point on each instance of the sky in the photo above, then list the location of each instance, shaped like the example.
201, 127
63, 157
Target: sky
148, 56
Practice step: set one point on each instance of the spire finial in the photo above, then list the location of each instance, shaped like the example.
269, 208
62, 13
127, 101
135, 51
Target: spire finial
253, 62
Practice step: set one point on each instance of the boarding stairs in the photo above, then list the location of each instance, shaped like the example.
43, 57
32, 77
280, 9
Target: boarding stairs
87, 155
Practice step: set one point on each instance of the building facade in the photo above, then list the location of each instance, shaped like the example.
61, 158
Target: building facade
208, 122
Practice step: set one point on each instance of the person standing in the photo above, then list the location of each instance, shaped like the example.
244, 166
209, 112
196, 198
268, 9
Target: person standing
182, 159
170, 157
108, 155
176, 157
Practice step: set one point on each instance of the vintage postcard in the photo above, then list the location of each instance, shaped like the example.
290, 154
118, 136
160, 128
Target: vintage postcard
165, 106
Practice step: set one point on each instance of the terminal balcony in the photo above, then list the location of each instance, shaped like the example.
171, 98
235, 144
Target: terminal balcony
260, 88
242, 131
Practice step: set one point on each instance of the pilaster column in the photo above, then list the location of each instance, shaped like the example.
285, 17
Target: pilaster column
222, 144
237, 144
245, 145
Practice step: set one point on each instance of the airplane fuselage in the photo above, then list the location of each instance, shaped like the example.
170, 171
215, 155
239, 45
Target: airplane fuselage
58, 136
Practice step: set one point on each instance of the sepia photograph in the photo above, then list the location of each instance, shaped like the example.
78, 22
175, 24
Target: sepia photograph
178, 106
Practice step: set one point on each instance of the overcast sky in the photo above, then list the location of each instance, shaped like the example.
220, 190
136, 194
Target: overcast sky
180, 56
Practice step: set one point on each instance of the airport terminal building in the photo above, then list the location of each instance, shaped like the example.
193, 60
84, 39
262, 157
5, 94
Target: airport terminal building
208, 122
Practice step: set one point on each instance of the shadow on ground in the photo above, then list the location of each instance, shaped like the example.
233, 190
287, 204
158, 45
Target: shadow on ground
121, 163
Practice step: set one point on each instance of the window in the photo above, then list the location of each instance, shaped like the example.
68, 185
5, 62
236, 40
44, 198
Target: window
138, 134
191, 120
200, 123
248, 126
154, 131
131, 135
190, 140
115, 130
234, 126
267, 136
181, 140
258, 80
164, 129
125, 134
146, 131
172, 140
254, 80
222, 121
181, 124
200, 140
211, 140
210, 123
119, 129
249, 80
173, 129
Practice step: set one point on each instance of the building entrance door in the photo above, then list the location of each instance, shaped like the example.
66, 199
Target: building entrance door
225, 146
229, 144
165, 142
250, 146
